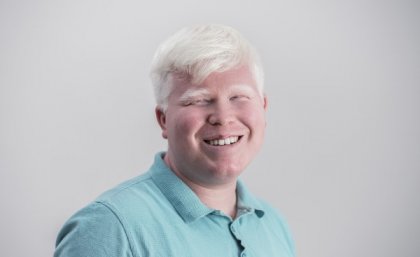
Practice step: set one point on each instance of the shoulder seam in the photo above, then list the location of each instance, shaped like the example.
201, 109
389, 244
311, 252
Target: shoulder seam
121, 221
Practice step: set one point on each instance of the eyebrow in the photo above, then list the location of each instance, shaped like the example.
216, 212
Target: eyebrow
193, 93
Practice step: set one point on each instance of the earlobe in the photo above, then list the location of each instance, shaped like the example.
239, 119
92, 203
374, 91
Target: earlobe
161, 119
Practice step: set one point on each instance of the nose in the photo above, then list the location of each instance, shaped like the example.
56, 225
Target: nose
221, 114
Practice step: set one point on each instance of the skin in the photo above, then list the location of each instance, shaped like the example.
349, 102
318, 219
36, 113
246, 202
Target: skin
225, 105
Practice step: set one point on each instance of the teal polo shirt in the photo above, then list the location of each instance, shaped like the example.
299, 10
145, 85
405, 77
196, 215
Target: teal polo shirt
157, 215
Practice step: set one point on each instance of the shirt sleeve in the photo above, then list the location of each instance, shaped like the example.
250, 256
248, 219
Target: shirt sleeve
94, 231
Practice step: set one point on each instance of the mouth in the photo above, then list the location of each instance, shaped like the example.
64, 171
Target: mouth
223, 141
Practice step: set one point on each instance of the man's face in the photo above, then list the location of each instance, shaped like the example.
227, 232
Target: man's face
214, 129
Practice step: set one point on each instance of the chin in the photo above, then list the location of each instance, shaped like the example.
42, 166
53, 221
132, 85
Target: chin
228, 169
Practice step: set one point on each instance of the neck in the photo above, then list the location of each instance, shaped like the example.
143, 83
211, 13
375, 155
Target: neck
220, 197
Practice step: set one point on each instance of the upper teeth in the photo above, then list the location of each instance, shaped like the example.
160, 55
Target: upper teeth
226, 141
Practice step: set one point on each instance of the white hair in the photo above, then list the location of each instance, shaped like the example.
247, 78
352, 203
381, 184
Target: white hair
196, 52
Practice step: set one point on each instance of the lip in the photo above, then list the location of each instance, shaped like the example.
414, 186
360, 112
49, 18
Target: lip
217, 137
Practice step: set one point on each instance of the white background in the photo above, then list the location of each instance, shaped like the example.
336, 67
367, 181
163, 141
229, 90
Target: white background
342, 153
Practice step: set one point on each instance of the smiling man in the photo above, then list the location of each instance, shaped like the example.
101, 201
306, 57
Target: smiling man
211, 107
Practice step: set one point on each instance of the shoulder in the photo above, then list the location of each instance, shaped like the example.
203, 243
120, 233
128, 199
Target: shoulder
137, 184
103, 227
139, 195
87, 233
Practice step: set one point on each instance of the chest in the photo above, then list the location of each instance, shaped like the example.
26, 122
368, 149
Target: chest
210, 237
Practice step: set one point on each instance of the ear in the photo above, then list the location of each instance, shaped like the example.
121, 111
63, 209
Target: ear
265, 102
265, 105
161, 119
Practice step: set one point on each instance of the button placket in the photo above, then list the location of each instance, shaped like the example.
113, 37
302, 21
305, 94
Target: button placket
234, 230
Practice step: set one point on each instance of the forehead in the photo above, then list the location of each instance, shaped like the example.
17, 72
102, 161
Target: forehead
240, 75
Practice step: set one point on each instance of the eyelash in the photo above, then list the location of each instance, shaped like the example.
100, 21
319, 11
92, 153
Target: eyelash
239, 97
195, 102
207, 101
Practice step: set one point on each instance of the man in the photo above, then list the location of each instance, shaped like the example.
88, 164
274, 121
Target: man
211, 108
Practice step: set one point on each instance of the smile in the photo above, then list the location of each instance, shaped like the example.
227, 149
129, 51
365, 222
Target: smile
224, 141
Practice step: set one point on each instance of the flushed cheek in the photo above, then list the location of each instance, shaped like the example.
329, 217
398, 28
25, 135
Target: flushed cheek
186, 126
256, 123
253, 116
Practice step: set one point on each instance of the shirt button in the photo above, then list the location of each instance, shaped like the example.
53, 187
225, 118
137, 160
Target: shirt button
243, 255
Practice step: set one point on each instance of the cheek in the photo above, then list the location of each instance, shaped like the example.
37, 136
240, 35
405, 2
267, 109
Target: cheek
186, 124
255, 118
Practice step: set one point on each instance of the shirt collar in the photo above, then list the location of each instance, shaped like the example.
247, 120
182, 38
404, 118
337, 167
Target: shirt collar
246, 201
185, 201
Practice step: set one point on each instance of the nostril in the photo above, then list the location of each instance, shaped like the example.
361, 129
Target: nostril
219, 119
213, 120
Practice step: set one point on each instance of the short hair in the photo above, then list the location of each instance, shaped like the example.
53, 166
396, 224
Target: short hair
196, 52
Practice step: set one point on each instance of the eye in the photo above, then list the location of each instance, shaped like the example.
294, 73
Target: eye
199, 101
238, 97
